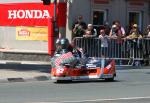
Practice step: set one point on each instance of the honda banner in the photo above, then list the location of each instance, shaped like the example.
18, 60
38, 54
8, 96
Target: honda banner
31, 14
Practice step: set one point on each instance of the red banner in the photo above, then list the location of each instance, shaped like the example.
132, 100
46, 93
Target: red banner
31, 14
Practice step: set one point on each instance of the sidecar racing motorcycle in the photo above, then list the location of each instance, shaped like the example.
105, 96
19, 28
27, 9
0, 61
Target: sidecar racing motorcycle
94, 68
68, 66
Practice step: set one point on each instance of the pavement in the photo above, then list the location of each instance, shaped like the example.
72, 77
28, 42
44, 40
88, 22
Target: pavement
23, 55
23, 71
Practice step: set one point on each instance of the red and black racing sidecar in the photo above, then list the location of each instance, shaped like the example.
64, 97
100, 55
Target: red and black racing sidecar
67, 67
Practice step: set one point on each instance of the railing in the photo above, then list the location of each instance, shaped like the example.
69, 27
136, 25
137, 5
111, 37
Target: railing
124, 51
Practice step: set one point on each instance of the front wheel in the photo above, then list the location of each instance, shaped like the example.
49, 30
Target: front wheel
109, 79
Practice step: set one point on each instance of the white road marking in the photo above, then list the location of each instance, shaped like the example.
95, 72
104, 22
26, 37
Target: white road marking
98, 100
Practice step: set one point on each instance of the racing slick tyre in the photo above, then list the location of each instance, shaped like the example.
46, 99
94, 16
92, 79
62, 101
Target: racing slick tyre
63, 81
109, 79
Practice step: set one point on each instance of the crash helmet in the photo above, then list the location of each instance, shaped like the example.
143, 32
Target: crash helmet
64, 42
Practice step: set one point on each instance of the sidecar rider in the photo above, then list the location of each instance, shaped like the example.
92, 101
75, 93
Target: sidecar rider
63, 47
64, 43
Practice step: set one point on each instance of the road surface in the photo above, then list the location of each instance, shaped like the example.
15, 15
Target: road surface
130, 86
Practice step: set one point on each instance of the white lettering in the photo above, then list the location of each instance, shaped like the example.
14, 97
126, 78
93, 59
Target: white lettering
29, 14
21, 14
12, 14
37, 14
46, 14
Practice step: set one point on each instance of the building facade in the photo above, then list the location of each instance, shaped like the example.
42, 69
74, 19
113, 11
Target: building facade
8, 39
24, 24
93, 11
98, 12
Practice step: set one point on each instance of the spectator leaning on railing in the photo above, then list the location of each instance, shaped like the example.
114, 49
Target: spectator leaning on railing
104, 42
134, 33
107, 27
90, 32
117, 30
117, 33
135, 42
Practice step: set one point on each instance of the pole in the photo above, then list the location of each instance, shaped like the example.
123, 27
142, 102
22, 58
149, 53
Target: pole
50, 37
55, 19
52, 30
53, 26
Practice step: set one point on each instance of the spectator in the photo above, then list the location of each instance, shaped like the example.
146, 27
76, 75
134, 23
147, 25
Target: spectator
148, 31
113, 32
129, 28
79, 27
146, 47
134, 33
90, 32
107, 28
135, 44
118, 30
117, 33
104, 43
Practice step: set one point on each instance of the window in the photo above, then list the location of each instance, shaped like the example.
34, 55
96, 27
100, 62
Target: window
135, 17
98, 18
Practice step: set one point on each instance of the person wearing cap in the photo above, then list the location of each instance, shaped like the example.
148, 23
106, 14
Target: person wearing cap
135, 43
134, 33
79, 27
90, 31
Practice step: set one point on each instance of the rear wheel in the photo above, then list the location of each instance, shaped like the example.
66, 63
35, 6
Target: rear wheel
63, 81
109, 79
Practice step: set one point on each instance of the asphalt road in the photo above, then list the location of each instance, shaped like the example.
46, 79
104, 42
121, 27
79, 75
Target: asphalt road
130, 86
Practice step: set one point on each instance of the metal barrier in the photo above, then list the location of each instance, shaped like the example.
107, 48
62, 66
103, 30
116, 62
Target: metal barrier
125, 52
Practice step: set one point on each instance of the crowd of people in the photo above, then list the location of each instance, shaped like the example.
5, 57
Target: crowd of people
81, 29
106, 32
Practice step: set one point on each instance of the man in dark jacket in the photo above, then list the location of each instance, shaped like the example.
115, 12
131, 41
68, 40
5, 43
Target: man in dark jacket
79, 27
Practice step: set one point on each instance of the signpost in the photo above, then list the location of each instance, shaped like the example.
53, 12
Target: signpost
52, 27
53, 30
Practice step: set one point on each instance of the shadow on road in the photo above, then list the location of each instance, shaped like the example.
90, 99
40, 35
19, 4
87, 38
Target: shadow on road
86, 81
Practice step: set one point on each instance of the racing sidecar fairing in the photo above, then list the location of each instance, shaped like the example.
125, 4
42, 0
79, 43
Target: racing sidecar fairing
94, 68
